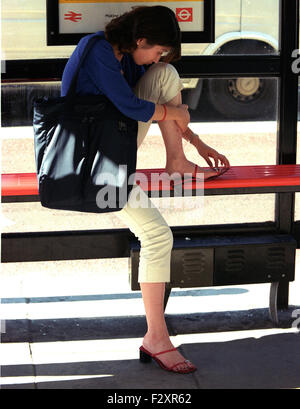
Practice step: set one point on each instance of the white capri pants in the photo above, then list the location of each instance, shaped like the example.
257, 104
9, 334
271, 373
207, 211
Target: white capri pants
159, 84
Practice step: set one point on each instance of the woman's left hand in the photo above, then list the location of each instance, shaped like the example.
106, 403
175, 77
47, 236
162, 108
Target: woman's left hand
207, 152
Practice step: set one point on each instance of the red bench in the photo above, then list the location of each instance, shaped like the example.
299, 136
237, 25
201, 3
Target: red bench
239, 179
202, 256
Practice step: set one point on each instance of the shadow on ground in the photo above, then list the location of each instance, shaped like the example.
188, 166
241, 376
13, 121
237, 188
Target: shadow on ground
268, 362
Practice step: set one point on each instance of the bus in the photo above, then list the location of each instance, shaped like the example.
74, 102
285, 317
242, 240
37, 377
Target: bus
241, 27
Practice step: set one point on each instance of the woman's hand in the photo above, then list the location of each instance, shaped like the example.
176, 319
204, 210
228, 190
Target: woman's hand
207, 152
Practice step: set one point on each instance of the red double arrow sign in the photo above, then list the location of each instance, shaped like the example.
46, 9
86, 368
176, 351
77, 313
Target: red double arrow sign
72, 16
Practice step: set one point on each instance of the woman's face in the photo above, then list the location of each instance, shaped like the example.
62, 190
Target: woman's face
148, 54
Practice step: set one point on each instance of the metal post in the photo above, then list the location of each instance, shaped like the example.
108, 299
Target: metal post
287, 121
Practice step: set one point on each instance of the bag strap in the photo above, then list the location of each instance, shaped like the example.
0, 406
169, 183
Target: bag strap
72, 89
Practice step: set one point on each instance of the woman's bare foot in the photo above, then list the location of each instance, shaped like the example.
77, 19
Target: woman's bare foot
155, 345
187, 167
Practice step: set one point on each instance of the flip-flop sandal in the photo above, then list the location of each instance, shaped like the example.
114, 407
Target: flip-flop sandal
221, 172
194, 178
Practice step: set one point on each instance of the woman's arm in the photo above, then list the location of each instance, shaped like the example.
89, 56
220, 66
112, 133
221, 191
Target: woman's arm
178, 113
205, 151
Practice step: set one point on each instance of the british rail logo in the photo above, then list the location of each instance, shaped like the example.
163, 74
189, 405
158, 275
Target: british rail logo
72, 16
184, 14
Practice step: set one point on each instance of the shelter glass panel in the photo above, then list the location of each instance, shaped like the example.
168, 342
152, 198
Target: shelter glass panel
242, 27
244, 140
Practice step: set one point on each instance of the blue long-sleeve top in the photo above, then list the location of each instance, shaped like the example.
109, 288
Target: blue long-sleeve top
101, 74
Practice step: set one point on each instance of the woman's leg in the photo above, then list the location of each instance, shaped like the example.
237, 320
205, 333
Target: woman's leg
156, 239
161, 84
153, 232
157, 338
176, 160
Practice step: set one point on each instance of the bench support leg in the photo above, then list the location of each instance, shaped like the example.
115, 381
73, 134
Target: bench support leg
283, 295
273, 303
279, 299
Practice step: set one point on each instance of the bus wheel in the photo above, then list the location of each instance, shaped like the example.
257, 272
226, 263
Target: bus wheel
244, 97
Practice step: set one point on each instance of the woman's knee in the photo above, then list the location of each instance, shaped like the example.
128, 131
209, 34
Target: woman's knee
164, 239
160, 240
162, 69
161, 73
159, 84
167, 238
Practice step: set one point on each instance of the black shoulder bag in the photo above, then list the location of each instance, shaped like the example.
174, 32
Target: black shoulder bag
85, 151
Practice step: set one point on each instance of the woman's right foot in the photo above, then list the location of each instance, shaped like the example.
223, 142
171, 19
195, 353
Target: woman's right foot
187, 167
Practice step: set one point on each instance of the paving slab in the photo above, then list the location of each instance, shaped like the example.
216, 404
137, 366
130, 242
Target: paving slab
17, 368
262, 359
232, 350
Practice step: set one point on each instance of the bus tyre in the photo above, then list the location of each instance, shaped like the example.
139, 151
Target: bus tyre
244, 98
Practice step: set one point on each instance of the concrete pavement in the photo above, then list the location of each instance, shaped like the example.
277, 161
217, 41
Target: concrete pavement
76, 324
91, 340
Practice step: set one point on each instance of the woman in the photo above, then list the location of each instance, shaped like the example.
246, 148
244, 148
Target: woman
114, 67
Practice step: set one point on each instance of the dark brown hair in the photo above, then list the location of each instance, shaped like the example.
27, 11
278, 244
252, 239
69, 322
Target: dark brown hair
158, 24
